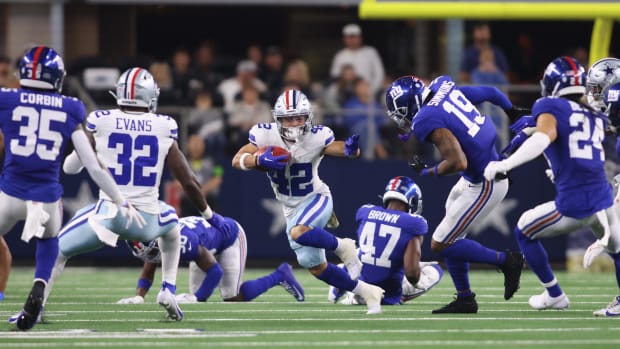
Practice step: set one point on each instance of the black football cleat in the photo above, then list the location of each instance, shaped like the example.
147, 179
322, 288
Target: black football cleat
461, 305
28, 316
512, 273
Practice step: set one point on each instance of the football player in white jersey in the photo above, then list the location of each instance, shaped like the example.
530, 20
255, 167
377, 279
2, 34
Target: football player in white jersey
38, 123
134, 143
305, 198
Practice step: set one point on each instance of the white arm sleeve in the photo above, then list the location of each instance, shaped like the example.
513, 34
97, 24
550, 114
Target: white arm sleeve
88, 158
529, 150
72, 164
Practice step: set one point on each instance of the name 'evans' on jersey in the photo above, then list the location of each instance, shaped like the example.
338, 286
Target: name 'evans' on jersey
133, 125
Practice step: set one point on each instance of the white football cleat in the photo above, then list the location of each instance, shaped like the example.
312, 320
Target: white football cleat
372, 295
166, 299
186, 298
131, 300
612, 309
430, 275
545, 301
347, 252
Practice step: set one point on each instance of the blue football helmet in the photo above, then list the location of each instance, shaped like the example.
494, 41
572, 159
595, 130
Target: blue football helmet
406, 191
563, 76
43, 68
404, 99
611, 97
147, 251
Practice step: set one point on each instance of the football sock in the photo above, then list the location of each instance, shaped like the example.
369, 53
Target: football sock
318, 237
254, 288
616, 257
538, 261
47, 251
472, 251
170, 254
337, 277
214, 275
459, 271
59, 266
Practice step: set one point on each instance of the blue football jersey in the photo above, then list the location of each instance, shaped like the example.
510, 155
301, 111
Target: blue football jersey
36, 126
577, 157
383, 236
450, 108
196, 231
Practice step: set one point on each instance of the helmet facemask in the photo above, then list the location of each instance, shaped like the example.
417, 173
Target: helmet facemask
293, 133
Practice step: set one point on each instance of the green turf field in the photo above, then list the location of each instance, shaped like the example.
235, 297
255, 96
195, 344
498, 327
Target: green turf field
82, 313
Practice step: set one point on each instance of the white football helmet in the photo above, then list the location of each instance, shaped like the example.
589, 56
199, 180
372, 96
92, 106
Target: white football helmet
602, 74
137, 88
292, 103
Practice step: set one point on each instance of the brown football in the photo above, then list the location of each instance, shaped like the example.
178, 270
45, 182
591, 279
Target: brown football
275, 151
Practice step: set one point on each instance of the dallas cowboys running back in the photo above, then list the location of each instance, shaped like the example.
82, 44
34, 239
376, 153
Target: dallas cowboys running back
37, 123
134, 143
217, 256
569, 134
444, 114
306, 199
390, 239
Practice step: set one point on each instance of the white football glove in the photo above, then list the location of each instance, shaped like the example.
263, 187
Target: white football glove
186, 298
493, 168
131, 300
132, 215
550, 175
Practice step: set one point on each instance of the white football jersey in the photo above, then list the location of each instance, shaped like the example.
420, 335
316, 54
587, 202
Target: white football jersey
300, 177
133, 146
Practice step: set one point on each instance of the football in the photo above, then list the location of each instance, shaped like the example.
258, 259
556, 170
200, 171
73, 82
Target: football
275, 151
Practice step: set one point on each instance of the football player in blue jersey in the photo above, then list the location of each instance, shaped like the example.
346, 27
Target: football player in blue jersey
37, 123
390, 239
444, 114
569, 134
217, 256
306, 200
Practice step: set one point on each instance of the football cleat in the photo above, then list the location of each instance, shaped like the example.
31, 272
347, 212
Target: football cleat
347, 252
612, 309
167, 299
460, 305
545, 301
512, 273
28, 317
335, 294
186, 298
372, 295
290, 283
430, 275
40, 320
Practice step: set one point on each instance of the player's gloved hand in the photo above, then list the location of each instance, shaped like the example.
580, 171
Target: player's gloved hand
516, 112
404, 137
495, 168
132, 215
515, 143
270, 161
131, 300
352, 145
523, 123
418, 164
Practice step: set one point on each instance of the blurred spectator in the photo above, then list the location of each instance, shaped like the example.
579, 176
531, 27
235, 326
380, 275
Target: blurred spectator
254, 53
245, 113
487, 73
582, 56
471, 57
162, 74
208, 123
204, 75
342, 89
357, 111
298, 77
182, 75
364, 58
208, 174
7, 78
245, 77
272, 72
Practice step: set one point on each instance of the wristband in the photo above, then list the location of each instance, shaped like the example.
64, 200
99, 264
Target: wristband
427, 171
144, 283
242, 161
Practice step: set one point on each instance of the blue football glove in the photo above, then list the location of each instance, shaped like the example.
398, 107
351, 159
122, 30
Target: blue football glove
523, 123
515, 143
269, 161
216, 221
404, 136
351, 145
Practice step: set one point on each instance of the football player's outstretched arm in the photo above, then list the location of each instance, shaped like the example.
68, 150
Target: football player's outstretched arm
454, 160
349, 148
180, 170
479, 94
245, 158
411, 259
